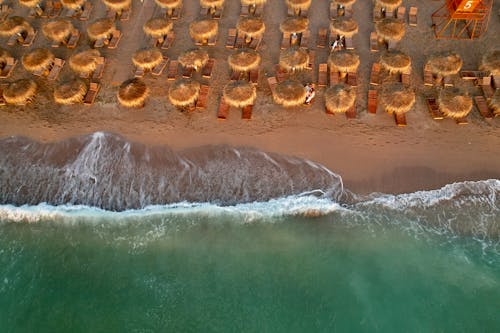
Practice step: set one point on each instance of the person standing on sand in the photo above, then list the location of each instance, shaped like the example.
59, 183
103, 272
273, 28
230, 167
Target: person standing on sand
310, 93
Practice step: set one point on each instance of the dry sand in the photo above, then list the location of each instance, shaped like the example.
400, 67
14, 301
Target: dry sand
371, 153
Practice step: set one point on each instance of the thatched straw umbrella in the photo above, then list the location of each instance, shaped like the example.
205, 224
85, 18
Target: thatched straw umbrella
101, 28
84, 62
147, 58
239, 93
298, 4
30, 3
71, 92
453, 103
244, 60
339, 98
396, 97
58, 30
14, 25
294, 58
20, 92
118, 5
344, 61
251, 27
4, 56
158, 27
389, 4
289, 93
295, 25
73, 4
133, 93
202, 30
390, 29
211, 3
395, 62
170, 5
184, 92
444, 64
495, 103
194, 58
491, 62
344, 26
38, 59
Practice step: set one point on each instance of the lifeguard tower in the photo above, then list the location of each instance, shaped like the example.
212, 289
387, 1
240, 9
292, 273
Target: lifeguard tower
462, 19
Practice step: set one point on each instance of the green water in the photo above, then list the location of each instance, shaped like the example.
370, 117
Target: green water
295, 275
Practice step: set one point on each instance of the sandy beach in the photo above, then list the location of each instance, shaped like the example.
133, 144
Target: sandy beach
370, 152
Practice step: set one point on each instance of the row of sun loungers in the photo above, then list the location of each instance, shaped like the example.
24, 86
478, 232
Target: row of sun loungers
302, 40
399, 13
223, 111
235, 41
216, 15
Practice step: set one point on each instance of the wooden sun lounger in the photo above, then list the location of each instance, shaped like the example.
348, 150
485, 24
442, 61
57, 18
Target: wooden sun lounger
30, 38
496, 81
8, 68
73, 39
482, 107
111, 14
231, 38
428, 78
2, 100
312, 59
56, 69
285, 41
351, 112
406, 78
412, 16
352, 79
240, 41
244, 10
4, 12
176, 13
304, 13
392, 45
125, 15
206, 71
389, 13
375, 74
322, 37
372, 101
234, 75
187, 72
173, 69
47, 10
322, 75
433, 108
254, 76
334, 77
91, 93
168, 41
223, 111
246, 112
212, 41
12, 40
255, 43
485, 80
99, 69
203, 11
273, 82
99, 43
56, 10
113, 43
488, 91
201, 102
462, 121
400, 119
139, 72
374, 42
158, 69
448, 81
87, 9
349, 44
218, 13
259, 9
377, 13
472, 75
290, 11
304, 39
401, 14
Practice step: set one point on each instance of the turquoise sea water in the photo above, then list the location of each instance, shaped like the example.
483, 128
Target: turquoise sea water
239, 269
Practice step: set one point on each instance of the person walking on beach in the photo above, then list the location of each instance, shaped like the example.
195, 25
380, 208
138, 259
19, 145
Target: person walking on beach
310, 93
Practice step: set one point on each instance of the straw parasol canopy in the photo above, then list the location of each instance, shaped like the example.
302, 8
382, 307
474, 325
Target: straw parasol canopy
4, 55
290, 93
169, 4
395, 62
73, 4
58, 30
495, 103
252, 2
85, 61
339, 98
344, 61
193, 58
294, 58
147, 58
158, 27
20, 92
38, 59
244, 60
396, 97
71, 92
299, 4
117, 4
294, 25
251, 26
345, 3
13, 25
453, 103
211, 3
184, 92
491, 62
390, 29
389, 4
101, 28
445, 64
344, 26
133, 93
30, 3
239, 93
203, 29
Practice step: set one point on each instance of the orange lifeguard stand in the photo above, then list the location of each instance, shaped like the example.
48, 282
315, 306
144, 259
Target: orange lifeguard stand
462, 19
